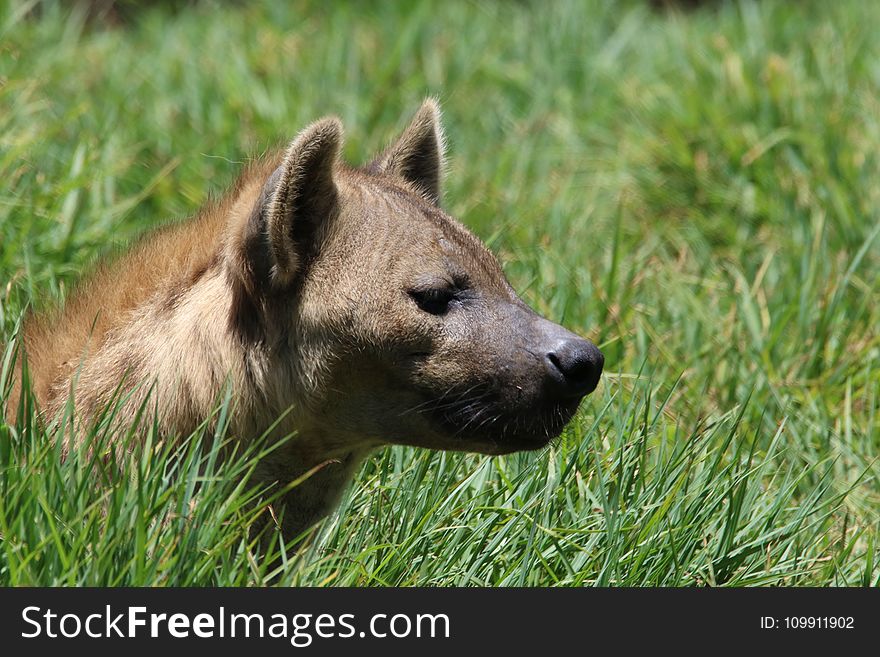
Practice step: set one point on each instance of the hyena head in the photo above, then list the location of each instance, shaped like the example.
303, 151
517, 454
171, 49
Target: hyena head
381, 319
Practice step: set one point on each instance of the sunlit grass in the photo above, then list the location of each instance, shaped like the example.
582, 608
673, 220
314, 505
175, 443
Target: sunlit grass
697, 192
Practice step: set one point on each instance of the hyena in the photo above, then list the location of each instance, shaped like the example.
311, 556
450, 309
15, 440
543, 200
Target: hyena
342, 300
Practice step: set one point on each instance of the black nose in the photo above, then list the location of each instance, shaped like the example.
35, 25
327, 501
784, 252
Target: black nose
575, 366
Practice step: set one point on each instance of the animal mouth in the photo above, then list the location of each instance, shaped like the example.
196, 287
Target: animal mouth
535, 429
482, 423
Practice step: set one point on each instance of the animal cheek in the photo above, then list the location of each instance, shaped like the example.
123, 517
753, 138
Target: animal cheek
432, 370
450, 368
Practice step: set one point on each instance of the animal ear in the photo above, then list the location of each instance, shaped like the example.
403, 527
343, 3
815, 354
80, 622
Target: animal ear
299, 198
418, 154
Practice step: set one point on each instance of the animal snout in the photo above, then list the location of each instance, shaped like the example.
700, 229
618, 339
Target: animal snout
575, 366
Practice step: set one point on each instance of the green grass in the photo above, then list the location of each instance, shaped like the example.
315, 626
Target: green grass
699, 193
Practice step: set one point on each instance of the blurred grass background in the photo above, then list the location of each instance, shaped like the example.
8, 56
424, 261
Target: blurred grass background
697, 191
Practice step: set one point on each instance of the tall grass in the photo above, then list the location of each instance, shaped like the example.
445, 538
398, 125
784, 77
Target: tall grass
696, 192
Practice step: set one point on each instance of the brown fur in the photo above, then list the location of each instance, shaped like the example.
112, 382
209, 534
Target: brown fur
343, 300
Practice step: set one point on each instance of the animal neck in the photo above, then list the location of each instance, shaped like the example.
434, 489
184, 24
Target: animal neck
318, 483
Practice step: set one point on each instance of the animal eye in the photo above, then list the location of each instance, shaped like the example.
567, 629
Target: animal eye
434, 300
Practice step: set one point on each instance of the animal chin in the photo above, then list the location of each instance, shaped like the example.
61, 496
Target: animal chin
493, 430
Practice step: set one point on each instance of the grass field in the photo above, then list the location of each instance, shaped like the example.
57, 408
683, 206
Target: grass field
698, 193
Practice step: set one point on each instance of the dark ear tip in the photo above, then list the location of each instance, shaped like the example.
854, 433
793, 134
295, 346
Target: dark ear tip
430, 109
427, 122
417, 155
322, 135
330, 127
